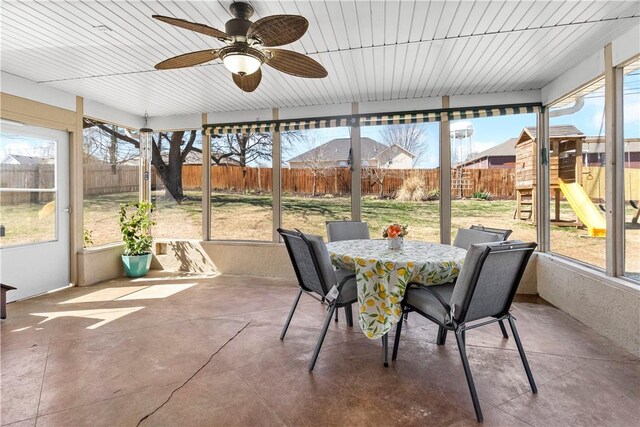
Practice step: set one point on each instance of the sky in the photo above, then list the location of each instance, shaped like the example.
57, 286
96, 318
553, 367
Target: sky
11, 142
491, 131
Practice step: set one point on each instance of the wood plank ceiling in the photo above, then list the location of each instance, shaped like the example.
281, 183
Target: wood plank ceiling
373, 50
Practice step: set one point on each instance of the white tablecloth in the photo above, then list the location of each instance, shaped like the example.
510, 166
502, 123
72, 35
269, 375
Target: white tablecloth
382, 275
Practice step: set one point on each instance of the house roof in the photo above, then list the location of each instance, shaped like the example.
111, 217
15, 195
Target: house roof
26, 160
555, 131
338, 150
507, 148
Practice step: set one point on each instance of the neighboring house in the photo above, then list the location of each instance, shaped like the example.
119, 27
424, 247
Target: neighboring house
335, 154
501, 156
16, 159
593, 152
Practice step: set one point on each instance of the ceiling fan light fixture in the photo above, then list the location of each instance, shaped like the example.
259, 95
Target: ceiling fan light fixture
241, 63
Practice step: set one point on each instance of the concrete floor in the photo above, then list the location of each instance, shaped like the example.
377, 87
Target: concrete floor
192, 351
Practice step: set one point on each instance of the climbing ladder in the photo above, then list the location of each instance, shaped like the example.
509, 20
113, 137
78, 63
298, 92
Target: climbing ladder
460, 182
525, 198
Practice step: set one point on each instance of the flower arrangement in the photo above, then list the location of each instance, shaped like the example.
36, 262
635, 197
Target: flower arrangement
395, 230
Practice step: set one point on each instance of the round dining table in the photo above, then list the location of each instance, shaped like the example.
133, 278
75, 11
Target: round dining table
383, 274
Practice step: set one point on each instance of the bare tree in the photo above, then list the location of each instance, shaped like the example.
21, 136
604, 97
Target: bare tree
412, 137
241, 150
175, 146
99, 145
315, 159
170, 150
378, 173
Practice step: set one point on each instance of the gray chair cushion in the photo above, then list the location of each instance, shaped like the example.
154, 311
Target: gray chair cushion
347, 230
301, 254
467, 237
424, 301
324, 261
495, 280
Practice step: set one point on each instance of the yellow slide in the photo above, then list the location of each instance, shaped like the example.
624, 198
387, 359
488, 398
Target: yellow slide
584, 208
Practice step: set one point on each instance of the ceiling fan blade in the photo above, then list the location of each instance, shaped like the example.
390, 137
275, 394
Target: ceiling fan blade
188, 59
278, 30
199, 28
296, 64
249, 82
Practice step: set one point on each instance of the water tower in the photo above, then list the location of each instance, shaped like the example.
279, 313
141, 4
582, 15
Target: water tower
461, 132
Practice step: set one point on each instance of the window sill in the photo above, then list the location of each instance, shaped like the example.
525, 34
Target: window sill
592, 272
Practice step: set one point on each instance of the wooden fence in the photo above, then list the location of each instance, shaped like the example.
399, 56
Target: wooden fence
98, 179
500, 182
26, 176
103, 179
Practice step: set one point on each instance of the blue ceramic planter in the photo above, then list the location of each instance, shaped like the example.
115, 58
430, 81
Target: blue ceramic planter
136, 266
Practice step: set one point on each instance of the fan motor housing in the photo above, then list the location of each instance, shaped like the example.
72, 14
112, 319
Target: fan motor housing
237, 27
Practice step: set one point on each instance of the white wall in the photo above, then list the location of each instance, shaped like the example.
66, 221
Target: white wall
488, 99
626, 46
401, 161
97, 110
24, 88
607, 305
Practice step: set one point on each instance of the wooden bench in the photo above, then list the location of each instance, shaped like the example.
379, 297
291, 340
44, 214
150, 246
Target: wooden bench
3, 299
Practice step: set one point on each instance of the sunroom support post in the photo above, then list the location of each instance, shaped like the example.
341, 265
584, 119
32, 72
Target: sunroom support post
206, 183
76, 191
542, 162
276, 168
356, 168
445, 178
614, 157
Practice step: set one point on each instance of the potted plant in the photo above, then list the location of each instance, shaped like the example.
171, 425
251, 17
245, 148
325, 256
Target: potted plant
135, 226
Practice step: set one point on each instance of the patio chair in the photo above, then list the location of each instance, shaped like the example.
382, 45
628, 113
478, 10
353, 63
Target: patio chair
484, 291
347, 230
503, 232
317, 278
466, 237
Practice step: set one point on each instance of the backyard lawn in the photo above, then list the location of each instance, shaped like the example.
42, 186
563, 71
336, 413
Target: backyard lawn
249, 217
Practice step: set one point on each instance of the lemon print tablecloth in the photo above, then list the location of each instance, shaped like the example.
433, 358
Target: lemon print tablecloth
383, 274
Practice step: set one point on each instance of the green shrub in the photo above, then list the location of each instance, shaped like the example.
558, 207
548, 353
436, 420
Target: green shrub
433, 194
87, 237
482, 195
135, 227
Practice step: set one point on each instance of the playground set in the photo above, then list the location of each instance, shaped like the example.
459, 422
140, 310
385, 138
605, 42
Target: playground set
565, 178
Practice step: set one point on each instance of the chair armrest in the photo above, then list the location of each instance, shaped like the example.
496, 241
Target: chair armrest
345, 280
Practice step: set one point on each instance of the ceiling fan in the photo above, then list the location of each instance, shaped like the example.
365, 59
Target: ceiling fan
249, 45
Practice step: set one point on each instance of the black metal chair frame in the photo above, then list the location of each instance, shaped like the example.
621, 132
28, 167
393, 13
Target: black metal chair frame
505, 233
331, 306
459, 327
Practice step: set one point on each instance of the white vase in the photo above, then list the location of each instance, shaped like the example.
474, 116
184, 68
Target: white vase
396, 243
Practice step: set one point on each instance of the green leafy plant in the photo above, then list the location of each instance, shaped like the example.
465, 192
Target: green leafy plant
87, 237
433, 194
135, 226
482, 195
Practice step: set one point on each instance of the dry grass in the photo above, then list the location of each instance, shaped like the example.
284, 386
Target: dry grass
412, 190
249, 217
